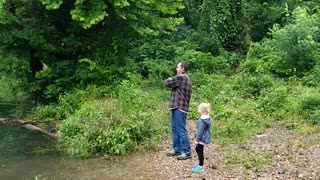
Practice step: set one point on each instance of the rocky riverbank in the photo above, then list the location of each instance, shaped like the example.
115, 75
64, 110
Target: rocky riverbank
279, 153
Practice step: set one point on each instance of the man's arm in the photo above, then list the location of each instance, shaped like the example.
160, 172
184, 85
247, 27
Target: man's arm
172, 82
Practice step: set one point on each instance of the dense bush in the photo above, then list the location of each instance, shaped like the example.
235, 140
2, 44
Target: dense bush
68, 103
293, 49
115, 127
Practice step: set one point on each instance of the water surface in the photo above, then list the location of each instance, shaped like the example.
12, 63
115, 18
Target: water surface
26, 154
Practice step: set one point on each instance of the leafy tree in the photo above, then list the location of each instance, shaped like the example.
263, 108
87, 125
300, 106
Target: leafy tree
292, 51
218, 26
261, 15
59, 33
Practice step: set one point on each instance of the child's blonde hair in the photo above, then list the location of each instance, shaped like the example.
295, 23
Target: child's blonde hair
204, 108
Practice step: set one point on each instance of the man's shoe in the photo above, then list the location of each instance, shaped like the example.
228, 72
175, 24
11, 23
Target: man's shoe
172, 153
183, 156
198, 169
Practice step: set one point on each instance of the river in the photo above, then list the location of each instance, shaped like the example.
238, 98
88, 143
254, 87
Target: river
29, 155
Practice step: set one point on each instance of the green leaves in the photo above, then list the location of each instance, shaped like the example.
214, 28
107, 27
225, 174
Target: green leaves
293, 49
51, 4
89, 13
2, 7
151, 17
121, 3
146, 17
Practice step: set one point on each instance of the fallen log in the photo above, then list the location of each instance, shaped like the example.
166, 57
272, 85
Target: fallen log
35, 128
2, 120
27, 125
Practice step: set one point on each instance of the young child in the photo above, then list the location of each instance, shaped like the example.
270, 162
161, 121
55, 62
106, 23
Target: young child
203, 135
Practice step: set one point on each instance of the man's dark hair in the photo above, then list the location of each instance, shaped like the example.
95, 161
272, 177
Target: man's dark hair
185, 66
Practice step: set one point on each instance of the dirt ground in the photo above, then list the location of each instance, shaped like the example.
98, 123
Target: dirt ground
282, 153
277, 154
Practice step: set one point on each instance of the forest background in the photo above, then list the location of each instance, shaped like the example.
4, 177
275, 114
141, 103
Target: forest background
94, 70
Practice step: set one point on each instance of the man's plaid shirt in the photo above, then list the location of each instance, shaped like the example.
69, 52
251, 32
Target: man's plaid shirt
181, 89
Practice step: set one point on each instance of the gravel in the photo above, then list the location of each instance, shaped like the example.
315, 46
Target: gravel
279, 153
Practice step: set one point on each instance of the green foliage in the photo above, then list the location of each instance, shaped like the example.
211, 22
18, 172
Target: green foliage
128, 90
234, 118
132, 95
251, 160
52, 4
297, 44
260, 16
114, 127
13, 80
293, 49
206, 63
191, 12
142, 16
273, 101
237, 117
90, 72
219, 25
89, 13
48, 31
68, 103
13, 65
213, 88
291, 103
56, 79
257, 60
156, 59
310, 108
312, 78
237, 120
62, 76
12, 89
252, 85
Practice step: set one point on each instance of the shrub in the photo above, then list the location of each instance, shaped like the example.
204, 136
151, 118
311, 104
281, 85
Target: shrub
273, 100
293, 49
68, 103
312, 78
251, 85
115, 127
310, 108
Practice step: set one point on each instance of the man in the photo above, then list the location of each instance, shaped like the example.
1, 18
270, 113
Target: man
181, 90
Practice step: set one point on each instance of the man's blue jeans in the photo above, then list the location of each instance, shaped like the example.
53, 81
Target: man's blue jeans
180, 137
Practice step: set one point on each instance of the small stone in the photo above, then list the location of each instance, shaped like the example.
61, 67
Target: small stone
281, 170
214, 166
300, 176
262, 136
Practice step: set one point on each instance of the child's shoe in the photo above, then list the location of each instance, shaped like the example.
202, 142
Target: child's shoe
197, 169
195, 165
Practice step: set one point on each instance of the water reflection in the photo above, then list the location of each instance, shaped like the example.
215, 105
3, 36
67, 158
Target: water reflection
13, 109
